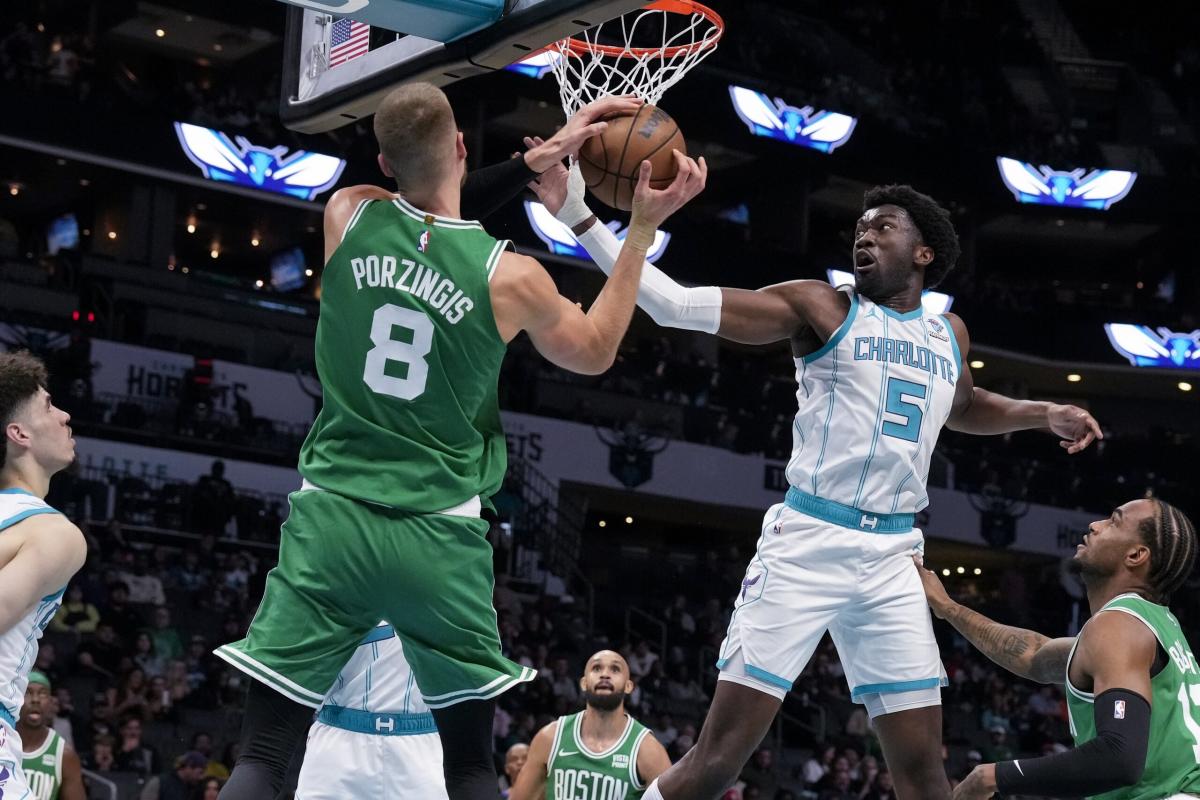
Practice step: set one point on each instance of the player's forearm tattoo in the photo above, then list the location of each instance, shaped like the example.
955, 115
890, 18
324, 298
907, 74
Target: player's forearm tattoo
1012, 648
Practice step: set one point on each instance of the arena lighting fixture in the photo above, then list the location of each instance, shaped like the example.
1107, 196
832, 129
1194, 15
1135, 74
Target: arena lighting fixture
559, 240
946, 573
1098, 189
774, 118
308, 273
603, 524
159, 32
1162, 348
1074, 377
978, 571
961, 570
1184, 386
258, 284
214, 253
254, 240
112, 235
629, 520
933, 302
300, 174
537, 65
976, 364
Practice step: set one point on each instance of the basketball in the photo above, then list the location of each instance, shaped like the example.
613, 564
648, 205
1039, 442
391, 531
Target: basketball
609, 162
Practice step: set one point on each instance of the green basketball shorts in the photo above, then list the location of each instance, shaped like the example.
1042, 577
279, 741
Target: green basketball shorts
343, 566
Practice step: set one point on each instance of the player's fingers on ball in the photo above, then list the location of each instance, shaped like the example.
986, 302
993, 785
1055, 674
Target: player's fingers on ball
643, 182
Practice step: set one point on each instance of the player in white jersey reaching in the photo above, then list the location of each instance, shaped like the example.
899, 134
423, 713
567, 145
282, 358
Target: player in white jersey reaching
39, 548
877, 379
374, 736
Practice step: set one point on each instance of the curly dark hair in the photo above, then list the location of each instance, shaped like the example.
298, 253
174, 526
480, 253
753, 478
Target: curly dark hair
932, 222
21, 375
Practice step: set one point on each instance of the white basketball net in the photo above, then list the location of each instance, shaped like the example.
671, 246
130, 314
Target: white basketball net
643, 71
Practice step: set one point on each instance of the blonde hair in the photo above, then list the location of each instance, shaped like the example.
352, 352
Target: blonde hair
411, 126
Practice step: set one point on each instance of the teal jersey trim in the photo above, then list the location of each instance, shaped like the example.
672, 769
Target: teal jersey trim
906, 316
17, 491
953, 343
896, 686
376, 723
33, 512
848, 516
768, 677
6, 716
378, 634
838, 335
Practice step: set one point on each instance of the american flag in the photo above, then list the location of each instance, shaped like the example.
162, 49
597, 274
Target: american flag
348, 39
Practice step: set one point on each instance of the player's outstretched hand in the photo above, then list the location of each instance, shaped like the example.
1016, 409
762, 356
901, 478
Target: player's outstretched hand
979, 785
586, 123
1077, 427
551, 185
935, 592
653, 206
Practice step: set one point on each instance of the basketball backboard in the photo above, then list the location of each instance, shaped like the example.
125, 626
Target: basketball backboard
337, 70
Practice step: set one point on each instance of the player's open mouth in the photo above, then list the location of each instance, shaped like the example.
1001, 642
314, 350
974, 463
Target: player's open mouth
863, 258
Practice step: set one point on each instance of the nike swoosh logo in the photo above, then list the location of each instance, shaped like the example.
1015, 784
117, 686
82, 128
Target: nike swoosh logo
564, 753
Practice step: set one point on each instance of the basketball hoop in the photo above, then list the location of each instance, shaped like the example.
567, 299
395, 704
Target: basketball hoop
650, 51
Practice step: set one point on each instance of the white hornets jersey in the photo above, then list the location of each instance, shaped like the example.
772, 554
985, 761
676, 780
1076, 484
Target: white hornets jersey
872, 402
376, 692
18, 644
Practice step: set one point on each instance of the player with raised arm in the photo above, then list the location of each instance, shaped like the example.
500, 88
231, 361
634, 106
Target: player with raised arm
1132, 683
877, 379
39, 548
416, 310
599, 752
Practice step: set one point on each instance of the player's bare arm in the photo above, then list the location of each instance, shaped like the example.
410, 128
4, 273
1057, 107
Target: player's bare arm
1022, 652
39, 555
652, 760
340, 209
979, 411
524, 297
531, 781
1115, 655
72, 776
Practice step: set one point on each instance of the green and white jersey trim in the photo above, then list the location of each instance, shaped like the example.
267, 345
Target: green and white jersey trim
433, 219
1090, 697
259, 671
489, 690
358, 212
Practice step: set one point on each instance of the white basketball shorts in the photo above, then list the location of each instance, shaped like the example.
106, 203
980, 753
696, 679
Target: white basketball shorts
341, 764
809, 576
13, 785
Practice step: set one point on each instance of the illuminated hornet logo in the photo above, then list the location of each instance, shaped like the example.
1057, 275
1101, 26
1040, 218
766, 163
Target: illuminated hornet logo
560, 241
301, 174
825, 131
1098, 189
536, 65
1145, 348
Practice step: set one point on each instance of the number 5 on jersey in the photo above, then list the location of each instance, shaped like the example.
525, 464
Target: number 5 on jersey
411, 354
897, 403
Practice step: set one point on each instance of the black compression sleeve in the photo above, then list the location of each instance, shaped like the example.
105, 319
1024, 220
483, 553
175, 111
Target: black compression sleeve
489, 188
1114, 759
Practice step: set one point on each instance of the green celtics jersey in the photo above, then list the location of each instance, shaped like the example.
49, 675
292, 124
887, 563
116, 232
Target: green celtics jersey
408, 355
574, 772
1173, 758
43, 767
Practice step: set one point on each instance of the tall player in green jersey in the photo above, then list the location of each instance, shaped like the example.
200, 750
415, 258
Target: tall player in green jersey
51, 766
600, 753
1132, 683
417, 306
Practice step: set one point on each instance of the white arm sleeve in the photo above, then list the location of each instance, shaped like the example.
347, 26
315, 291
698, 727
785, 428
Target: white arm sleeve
668, 303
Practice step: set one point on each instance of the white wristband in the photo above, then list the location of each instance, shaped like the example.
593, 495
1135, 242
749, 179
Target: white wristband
668, 303
574, 209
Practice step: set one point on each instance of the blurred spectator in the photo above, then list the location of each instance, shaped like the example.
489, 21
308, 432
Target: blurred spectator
75, 615
202, 744
179, 783
132, 754
144, 588
102, 757
761, 772
144, 656
211, 788
514, 759
167, 644
214, 502
641, 660
997, 748
102, 653
125, 621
